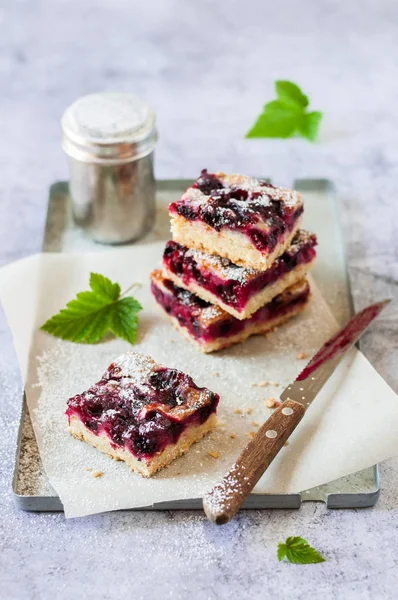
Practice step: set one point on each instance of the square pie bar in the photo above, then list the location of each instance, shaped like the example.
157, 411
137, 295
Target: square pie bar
238, 290
209, 327
142, 413
246, 220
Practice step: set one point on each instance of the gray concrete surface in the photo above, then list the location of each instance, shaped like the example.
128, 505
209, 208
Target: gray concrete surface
207, 67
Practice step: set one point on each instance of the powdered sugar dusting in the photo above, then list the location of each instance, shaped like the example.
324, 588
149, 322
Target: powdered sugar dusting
262, 193
222, 266
227, 270
212, 312
135, 367
234, 483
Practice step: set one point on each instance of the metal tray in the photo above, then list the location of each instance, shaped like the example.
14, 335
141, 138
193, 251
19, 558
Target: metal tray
31, 488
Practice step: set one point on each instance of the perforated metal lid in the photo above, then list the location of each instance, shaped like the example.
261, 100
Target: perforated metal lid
109, 127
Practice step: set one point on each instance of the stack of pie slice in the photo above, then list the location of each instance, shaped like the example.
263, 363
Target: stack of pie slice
238, 260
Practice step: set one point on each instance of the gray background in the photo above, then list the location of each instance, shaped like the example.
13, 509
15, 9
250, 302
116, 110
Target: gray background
207, 67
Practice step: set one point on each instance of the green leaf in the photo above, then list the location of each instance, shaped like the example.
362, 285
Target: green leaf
279, 120
281, 553
290, 93
124, 319
88, 317
279, 107
88, 328
287, 115
104, 288
310, 124
298, 551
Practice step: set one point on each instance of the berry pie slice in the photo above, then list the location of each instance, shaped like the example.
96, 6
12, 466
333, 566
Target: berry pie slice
209, 327
246, 220
238, 290
142, 413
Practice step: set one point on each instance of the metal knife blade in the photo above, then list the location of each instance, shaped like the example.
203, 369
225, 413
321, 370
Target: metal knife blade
312, 378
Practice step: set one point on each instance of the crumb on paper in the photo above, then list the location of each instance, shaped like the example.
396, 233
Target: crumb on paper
252, 434
232, 436
271, 402
237, 411
263, 383
286, 443
254, 424
249, 411
216, 374
275, 383
301, 355
253, 384
213, 438
214, 455
97, 474
88, 468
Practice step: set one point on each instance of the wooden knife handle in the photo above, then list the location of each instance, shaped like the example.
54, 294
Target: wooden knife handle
225, 499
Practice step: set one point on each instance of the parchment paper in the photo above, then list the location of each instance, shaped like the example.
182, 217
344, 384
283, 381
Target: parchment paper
352, 425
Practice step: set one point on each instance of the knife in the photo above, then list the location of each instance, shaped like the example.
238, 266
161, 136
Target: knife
223, 501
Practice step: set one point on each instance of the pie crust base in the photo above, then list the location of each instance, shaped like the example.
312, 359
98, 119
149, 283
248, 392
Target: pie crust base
256, 302
147, 466
233, 245
254, 329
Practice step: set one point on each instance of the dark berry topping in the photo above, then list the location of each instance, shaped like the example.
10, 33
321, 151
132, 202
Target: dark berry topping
233, 285
138, 412
245, 209
207, 182
204, 323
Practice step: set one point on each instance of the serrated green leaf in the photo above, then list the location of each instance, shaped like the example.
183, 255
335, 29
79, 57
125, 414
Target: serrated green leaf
276, 107
298, 551
104, 288
79, 326
290, 92
287, 115
309, 125
278, 120
88, 317
281, 553
124, 320
85, 303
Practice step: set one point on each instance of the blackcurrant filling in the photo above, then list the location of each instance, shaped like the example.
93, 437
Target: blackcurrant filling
207, 182
141, 418
240, 210
237, 291
190, 311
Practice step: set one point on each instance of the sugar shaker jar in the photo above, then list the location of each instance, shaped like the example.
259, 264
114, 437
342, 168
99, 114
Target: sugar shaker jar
109, 139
